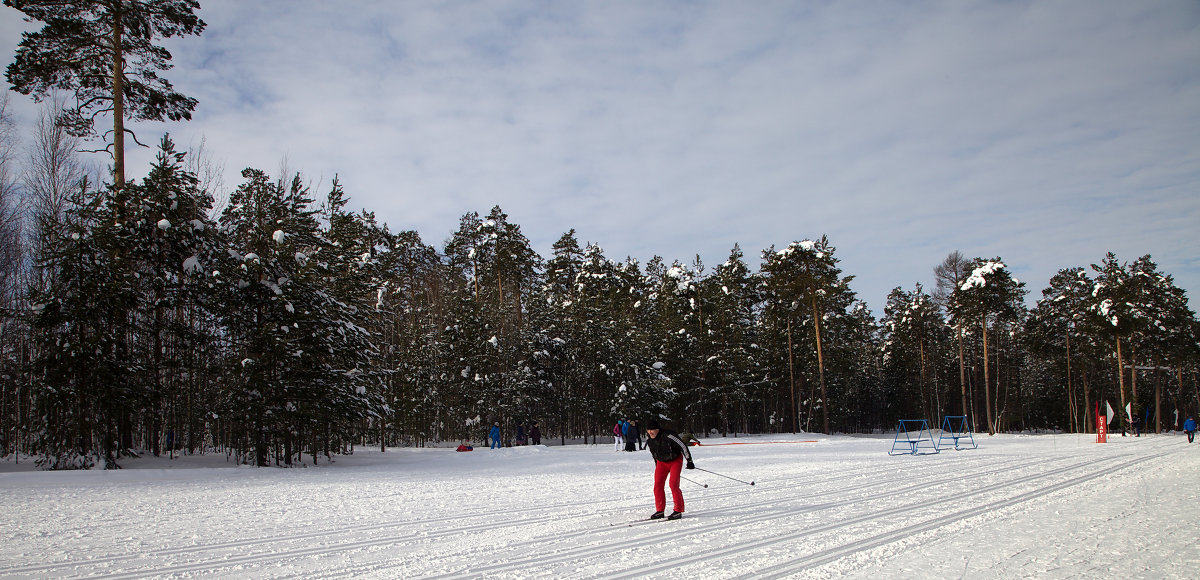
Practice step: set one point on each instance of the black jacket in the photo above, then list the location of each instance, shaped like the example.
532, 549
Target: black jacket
667, 446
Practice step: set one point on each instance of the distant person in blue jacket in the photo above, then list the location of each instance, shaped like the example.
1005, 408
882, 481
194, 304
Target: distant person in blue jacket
495, 436
1189, 427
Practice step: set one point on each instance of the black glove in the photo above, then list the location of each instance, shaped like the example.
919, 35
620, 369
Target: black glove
691, 465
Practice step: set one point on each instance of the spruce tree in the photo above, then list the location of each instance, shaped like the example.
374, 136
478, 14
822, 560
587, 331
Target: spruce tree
732, 366
913, 324
170, 244
85, 383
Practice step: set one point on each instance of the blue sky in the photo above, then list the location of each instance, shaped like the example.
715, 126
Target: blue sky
1045, 133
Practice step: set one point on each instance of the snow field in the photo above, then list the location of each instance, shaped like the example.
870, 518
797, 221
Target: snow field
1046, 506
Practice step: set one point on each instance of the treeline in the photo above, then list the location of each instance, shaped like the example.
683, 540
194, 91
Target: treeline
282, 329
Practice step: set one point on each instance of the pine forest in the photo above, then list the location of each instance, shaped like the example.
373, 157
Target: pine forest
279, 327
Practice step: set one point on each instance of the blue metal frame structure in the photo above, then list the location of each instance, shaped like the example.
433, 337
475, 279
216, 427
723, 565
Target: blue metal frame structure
955, 427
914, 433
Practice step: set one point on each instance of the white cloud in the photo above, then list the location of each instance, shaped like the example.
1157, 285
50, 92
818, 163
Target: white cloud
1043, 133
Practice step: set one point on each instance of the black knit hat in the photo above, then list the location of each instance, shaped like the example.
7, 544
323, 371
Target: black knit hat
652, 424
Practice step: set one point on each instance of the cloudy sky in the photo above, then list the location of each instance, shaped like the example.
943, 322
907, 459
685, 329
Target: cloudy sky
1045, 133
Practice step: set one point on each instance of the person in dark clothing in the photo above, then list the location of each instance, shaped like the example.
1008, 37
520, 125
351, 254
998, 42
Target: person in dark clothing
520, 433
633, 436
535, 434
670, 455
1189, 427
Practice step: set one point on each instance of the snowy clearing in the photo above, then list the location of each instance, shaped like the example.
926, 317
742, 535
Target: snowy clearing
1038, 506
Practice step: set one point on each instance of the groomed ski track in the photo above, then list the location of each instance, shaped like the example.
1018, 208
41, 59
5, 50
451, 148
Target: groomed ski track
841, 509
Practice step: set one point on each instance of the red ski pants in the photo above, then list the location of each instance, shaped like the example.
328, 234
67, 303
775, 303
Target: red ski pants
661, 470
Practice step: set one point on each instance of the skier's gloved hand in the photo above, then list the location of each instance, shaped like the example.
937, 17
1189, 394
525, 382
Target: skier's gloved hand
691, 465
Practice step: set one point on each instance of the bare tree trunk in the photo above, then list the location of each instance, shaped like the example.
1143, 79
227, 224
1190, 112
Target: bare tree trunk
987, 385
1087, 402
1121, 383
821, 367
924, 386
962, 375
1133, 372
1195, 384
792, 380
1179, 378
1157, 401
118, 90
1071, 400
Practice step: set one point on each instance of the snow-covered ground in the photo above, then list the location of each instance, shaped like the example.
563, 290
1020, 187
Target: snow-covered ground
1039, 506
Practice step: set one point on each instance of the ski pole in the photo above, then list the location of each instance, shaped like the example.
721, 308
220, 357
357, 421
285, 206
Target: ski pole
695, 482
725, 476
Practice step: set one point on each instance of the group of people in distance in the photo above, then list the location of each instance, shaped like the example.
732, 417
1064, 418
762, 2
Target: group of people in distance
627, 436
533, 436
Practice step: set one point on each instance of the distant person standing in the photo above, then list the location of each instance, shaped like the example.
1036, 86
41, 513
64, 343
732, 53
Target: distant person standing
494, 435
633, 436
535, 434
1189, 427
669, 454
521, 433
618, 436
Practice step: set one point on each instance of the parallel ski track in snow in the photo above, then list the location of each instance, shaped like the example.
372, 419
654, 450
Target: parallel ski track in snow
598, 541
578, 556
232, 555
416, 553
832, 554
796, 564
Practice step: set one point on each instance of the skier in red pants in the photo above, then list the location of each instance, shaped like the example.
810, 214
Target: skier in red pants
669, 454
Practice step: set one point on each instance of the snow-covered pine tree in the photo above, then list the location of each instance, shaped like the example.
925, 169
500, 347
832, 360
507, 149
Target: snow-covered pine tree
556, 316
623, 362
345, 277
676, 329
260, 312
1158, 313
299, 378
1112, 303
1178, 343
989, 295
406, 318
854, 361
82, 389
1058, 330
169, 243
732, 367
499, 270
914, 329
802, 286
